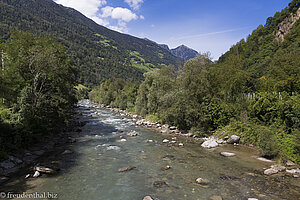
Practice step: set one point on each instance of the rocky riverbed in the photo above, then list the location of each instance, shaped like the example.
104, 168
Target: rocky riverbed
114, 156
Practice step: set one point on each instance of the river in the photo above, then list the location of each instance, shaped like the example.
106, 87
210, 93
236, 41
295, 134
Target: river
91, 171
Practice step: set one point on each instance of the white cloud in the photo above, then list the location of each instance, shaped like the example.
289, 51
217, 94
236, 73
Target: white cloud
94, 10
118, 13
135, 4
87, 7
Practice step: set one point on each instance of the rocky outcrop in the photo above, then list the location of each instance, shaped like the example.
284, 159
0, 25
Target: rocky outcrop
285, 27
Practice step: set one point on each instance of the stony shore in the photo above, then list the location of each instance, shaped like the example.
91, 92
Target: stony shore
27, 159
289, 168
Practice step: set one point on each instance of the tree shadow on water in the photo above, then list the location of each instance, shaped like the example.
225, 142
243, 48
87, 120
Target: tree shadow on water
64, 157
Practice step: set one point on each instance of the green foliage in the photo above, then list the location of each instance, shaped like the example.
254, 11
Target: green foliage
82, 92
117, 94
38, 84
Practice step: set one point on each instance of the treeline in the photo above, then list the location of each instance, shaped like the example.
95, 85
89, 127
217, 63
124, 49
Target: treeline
191, 100
37, 90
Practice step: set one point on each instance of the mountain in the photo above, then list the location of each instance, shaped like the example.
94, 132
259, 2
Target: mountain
268, 59
99, 52
184, 52
164, 46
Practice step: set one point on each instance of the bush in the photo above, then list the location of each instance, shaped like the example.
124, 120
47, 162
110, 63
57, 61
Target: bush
268, 143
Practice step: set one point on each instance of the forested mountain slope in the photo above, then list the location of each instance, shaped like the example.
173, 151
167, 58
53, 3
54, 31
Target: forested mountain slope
101, 53
269, 59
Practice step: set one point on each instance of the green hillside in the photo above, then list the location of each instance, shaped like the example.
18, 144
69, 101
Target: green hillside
269, 58
100, 53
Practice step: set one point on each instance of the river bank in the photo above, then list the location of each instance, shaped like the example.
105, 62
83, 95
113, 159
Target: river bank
23, 161
290, 168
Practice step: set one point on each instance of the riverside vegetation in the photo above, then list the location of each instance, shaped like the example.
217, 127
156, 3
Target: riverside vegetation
252, 91
37, 90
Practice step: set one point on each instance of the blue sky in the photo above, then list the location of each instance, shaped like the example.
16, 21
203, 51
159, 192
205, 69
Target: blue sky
200, 24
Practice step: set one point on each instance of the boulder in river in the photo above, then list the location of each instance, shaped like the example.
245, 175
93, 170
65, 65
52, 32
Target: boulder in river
215, 197
262, 159
211, 143
181, 144
36, 174
67, 152
147, 198
132, 134
123, 140
45, 170
270, 171
202, 181
233, 139
278, 167
127, 169
293, 171
159, 184
227, 154
166, 141
289, 163
166, 167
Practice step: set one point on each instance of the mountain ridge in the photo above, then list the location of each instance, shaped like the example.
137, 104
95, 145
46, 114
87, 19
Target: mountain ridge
100, 53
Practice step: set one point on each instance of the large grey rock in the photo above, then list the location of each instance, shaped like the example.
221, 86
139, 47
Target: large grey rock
147, 198
270, 171
36, 174
263, 159
202, 181
293, 171
227, 154
7, 164
233, 139
211, 143
289, 163
165, 141
278, 167
45, 170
